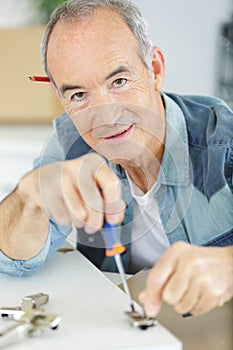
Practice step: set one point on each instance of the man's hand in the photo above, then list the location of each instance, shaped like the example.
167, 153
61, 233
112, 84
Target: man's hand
82, 191
193, 279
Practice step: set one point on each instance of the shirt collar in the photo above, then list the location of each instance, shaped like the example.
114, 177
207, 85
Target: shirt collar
174, 169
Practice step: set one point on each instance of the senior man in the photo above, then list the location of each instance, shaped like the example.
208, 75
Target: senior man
159, 165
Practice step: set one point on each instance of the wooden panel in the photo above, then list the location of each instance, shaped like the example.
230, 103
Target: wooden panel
209, 331
21, 99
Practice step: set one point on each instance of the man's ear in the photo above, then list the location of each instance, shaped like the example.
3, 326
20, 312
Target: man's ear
158, 67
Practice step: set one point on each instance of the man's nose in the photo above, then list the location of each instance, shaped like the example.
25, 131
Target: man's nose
102, 112
106, 114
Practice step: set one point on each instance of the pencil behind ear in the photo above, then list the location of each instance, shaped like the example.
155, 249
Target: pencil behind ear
38, 78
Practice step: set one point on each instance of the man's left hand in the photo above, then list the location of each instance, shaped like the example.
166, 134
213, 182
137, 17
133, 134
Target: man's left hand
193, 279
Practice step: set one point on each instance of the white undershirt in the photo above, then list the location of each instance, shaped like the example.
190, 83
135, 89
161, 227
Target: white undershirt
149, 239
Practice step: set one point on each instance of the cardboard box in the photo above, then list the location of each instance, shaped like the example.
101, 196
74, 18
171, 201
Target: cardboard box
23, 101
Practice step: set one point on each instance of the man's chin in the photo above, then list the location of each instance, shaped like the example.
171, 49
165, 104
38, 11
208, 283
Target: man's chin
123, 158
122, 153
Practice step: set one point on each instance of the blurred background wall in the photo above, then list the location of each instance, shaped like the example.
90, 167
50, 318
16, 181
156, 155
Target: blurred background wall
188, 32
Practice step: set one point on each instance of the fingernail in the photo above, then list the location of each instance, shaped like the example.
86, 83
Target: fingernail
151, 310
115, 218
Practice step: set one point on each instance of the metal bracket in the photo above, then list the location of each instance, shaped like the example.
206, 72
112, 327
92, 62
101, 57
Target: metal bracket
31, 319
140, 321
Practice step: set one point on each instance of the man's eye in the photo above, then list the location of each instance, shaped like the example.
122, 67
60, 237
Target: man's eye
119, 82
78, 96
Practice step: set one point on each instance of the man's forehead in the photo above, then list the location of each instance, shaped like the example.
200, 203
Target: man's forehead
98, 40
103, 23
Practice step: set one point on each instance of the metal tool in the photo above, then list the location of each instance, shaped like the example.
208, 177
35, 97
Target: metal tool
140, 320
115, 248
31, 319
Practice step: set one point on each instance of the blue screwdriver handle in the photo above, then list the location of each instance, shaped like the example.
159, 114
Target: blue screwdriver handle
112, 243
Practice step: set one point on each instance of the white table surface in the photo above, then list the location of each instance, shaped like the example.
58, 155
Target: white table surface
91, 306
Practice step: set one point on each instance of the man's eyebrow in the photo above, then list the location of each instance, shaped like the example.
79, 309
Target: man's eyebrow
67, 87
118, 70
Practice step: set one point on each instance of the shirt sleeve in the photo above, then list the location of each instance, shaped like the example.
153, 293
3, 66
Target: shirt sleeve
56, 237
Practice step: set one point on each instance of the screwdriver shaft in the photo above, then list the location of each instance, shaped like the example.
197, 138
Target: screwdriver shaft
123, 279
115, 248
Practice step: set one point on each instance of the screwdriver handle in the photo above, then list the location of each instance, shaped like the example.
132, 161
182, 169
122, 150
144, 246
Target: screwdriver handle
112, 243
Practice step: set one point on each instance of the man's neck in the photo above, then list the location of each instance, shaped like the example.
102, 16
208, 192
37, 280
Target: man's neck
145, 175
145, 169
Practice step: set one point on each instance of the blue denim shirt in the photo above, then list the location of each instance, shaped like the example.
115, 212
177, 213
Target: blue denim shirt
195, 182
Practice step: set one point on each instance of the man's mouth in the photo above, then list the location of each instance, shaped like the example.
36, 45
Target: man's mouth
120, 134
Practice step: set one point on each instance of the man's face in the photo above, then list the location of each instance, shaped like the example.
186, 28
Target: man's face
104, 86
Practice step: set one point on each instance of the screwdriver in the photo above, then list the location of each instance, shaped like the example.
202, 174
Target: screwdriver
115, 248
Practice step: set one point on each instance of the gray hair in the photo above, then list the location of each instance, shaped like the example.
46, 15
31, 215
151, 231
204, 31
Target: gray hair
71, 10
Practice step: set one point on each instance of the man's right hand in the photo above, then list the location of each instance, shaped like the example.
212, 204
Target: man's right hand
81, 191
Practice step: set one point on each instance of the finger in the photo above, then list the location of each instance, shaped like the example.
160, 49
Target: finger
50, 193
114, 205
95, 209
84, 214
209, 299
93, 202
202, 306
77, 212
151, 309
74, 204
158, 277
201, 297
100, 189
210, 292
178, 284
188, 302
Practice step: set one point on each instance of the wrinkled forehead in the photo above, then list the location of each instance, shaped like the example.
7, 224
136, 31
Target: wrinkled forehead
102, 29
88, 49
